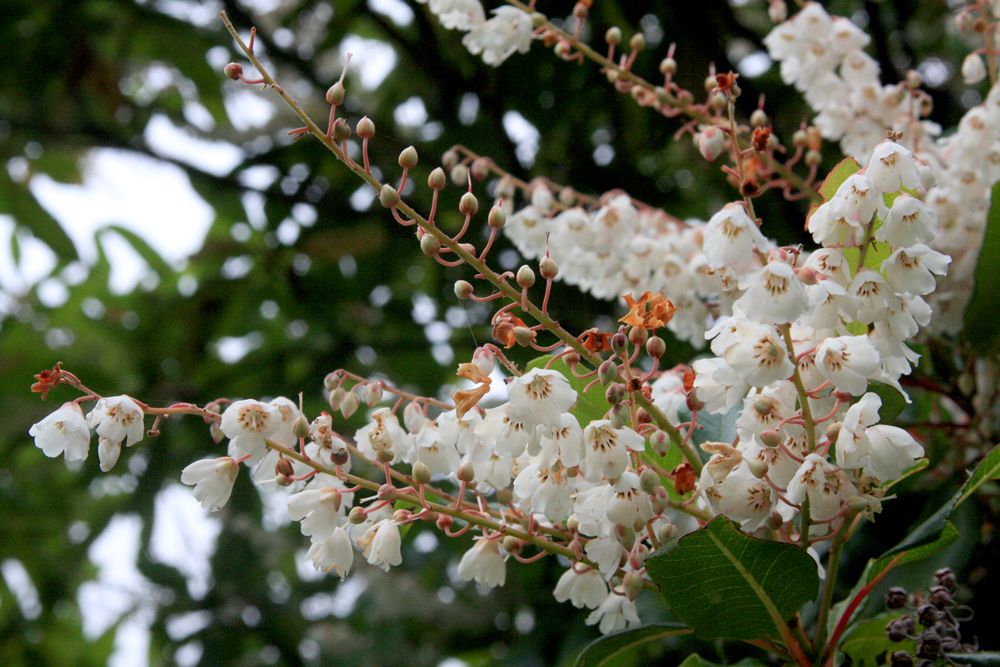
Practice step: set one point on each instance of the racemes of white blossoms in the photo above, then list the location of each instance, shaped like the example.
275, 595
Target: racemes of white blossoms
824, 57
847, 310
117, 420
507, 32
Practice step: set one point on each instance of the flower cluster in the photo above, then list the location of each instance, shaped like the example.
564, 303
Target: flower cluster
117, 420
509, 31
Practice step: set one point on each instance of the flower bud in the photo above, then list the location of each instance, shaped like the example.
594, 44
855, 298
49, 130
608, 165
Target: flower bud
408, 158
771, 438
757, 467
777, 11
667, 534
649, 481
465, 473
572, 523
459, 175
356, 515
444, 522
385, 456
504, 496
388, 196
638, 336
284, 468
336, 397
429, 245
660, 442
349, 404
525, 276
365, 128
335, 94
799, 138
480, 168
463, 289
615, 393
613, 36
833, 431
300, 427
633, 584
619, 416
973, 69
711, 143
619, 344
387, 492
216, 433
436, 180
421, 473
511, 544
373, 393
718, 99
694, 404
638, 42
497, 219
548, 268
758, 118
341, 458
656, 347
234, 71
914, 79
668, 66
524, 336
607, 372
341, 130
813, 158
468, 204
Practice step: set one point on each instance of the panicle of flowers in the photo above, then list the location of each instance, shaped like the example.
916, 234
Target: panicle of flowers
507, 32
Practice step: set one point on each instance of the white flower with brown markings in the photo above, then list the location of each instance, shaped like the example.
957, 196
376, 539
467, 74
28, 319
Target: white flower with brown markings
911, 270
117, 420
617, 612
774, 294
65, 431
606, 449
848, 362
484, 564
212, 480
335, 552
892, 168
541, 396
910, 221
581, 589
248, 423
381, 544
497, 39
731, 237
758, 354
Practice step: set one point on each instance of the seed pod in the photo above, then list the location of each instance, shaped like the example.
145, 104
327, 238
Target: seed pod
615, 393
341, 130
607, 372
619, 344
656, 347
356, 515
466, 473
300, 427
758, 118
649, 481
548, 268
421, 473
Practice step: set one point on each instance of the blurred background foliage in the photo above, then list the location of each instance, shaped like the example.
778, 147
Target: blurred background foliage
297, 275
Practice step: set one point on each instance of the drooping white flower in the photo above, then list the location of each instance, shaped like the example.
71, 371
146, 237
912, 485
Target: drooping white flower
910, 221
117, 420
320, 509
892, 168
774, 294
334, 552
544, 490
761, 357
874, 296
436, 448
859, 199
738, 494
848, 362
973, 69
607, 553
718, 385
824, 484
616, 613
912, 270
212, 480
381, 544
581, 589
892, 450
731, 237
832, 224
64, 431
563, 442
505, 432
497, 39
461, 15
607, 449
629, 505
483, 564
541, 396
384, 434
248, 423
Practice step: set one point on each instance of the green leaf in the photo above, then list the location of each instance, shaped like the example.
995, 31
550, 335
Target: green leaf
695, 660
724, 583
988, 469
837, 176
18, 201
980, 323
925, 547
141, 246
868, 642
893, 402
590, 405
985, 658
601, 651
714, 428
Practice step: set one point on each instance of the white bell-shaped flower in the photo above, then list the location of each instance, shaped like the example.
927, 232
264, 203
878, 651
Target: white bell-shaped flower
718, 385
617, 612
833, 224
824, 484
461, 15
910, 221
483, 564
562, 442
874, 296
497, 39
973, 69
384, 434
64, 431
761, 358
117, 420
212, 480
436, 448
381, 544
731, 237
320, 509
774, 294
505, 431
607, 449
248, 423
848, 362
629, 505
912, 270
892, 450
581, 589
739, 495
541, 396
334, 552
859, 200
892, 168
607, 553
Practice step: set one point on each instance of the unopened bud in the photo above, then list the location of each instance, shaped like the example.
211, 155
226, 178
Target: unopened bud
365, 128
341, 458
284, 468
656, 347
914, 79
694, 404
466, 473
771, 438
567, 196
833, 431
548, 268
525, 276
710, 83
814, 138
336, 397
341, 130
758, 118
480, 168
777, 11
638, 336
300, 427
385, 455
234, 71
437, 180
619, 344
649, 481
667, 534
401, 516
615, 393
638, 42
757, 467
511, 544
335, 94
331, 381
613, 35
660, 442
444, 522
619, 416
633, 584
459, 175
468, 204
799, 138
463, 289
497, 219
356, 515
349, 404
719, 100
668, 67
388, 196
216, 433
429, 245
387, 492
607, 372
449, 159
373, 393
813, 158
408, 158
572, 523
421, 473
806, 275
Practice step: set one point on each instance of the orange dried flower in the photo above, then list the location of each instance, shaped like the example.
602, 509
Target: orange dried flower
684, 478
651, 311
503, 328
596, 340
466, 399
